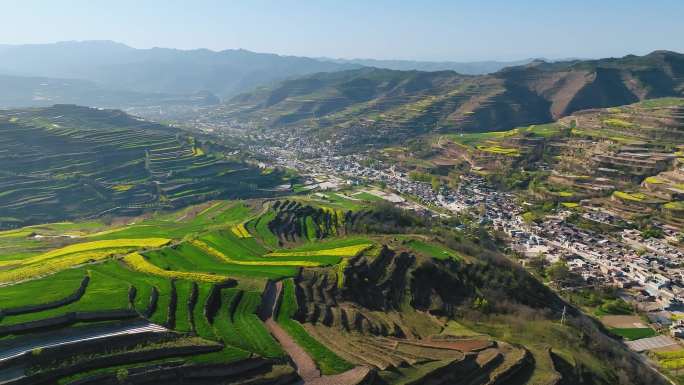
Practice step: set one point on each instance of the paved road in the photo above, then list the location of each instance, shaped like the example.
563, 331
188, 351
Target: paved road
19, 346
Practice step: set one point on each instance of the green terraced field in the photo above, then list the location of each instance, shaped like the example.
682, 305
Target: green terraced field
67, 162
56, 287
237, 248
328, 244
250, 328
103, 293
111, 280
259, 228
432, 250
187, 257
190, 271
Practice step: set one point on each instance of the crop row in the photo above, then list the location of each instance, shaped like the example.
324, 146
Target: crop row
187, 257
97, 245
210, 310
23, 273
71, 298
240, 231
104, 293
138, 262
74, 255
346, 251
217, 312
255, 262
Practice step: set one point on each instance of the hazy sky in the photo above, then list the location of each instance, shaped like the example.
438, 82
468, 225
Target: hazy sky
418, 29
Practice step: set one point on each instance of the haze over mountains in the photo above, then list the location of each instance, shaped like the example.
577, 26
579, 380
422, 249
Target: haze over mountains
349, 100
111, 74
119, 67
466, 68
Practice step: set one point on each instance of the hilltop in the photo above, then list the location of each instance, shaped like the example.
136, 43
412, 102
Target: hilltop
384, 106
239, 291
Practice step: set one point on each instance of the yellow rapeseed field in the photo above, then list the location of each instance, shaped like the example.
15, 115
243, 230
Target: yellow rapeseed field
137, 262
347, 251
72, 255
197, 151
96, 245
240, 231
122, 187
25, 272
16, 233
10, 262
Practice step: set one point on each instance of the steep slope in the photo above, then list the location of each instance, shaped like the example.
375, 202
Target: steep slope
376, 105
157, 70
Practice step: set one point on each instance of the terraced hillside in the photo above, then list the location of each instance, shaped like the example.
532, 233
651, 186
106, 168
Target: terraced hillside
283, 292
634, 153
382, 106
626, 159
66, 162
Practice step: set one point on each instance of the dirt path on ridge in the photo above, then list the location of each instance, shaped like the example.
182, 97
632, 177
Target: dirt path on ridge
305, 365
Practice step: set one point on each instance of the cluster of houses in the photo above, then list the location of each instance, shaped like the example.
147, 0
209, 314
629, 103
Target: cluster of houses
649, 269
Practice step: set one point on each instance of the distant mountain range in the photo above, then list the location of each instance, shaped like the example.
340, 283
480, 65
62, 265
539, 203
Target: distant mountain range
119, 67
373, 105
466, 68
347, 100
110, 74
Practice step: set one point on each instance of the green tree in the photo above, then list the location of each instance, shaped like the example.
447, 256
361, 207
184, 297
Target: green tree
617, 306
436, 183
481, 304
559, 272
529, 217
652, 232
538, 264
122, 375
420, 176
